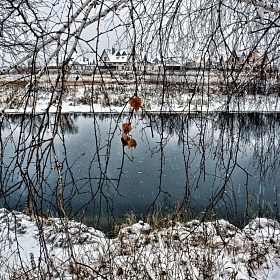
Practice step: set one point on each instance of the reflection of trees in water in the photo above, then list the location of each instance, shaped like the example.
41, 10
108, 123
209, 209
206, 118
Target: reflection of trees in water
260, 132
35, 122
40, 170
225, 139
68, 123
28, 155
222, 132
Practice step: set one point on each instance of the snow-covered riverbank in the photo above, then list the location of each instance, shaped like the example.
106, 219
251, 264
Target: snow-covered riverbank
55, 249
217, 103
113, 97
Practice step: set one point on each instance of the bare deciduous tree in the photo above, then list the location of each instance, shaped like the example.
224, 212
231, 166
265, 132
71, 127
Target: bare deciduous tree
182, 54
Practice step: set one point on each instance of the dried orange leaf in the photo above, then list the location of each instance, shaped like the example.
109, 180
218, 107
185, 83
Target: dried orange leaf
126, 127
131, 143
135, 102
125, 137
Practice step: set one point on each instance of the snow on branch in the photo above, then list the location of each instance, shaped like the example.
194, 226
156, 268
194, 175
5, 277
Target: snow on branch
267, 7
85, 11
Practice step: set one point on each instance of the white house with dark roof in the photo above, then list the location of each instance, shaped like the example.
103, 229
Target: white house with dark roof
122, 60
83, 64
116, 59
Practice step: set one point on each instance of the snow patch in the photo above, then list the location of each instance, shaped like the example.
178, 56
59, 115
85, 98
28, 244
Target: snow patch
193, 250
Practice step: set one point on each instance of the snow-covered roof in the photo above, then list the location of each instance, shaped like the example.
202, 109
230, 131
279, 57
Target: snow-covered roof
84, 61
123, 55
78, 59
116, 55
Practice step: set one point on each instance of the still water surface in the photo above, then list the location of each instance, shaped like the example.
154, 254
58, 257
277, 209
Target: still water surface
222, 164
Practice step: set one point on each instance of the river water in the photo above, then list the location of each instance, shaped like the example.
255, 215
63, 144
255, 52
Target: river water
203, 165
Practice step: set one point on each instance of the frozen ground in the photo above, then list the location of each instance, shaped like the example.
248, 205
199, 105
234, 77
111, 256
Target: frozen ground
218, 103
114, 97
33, 249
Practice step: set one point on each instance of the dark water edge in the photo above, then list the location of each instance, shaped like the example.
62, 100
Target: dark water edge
215, 165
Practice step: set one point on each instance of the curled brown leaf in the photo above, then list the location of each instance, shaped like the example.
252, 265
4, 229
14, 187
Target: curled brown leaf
126, 127
135, 102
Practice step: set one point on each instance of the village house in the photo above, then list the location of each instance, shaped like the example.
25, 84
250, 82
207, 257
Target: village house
122, 60
83, 65
251, 61
78, 64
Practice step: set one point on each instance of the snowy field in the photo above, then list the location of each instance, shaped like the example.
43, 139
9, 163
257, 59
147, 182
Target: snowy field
55, 249
113, 96
217, 103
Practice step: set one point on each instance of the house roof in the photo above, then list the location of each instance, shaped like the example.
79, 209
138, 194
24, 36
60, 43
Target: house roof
116, 56
123, 55
78, 59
